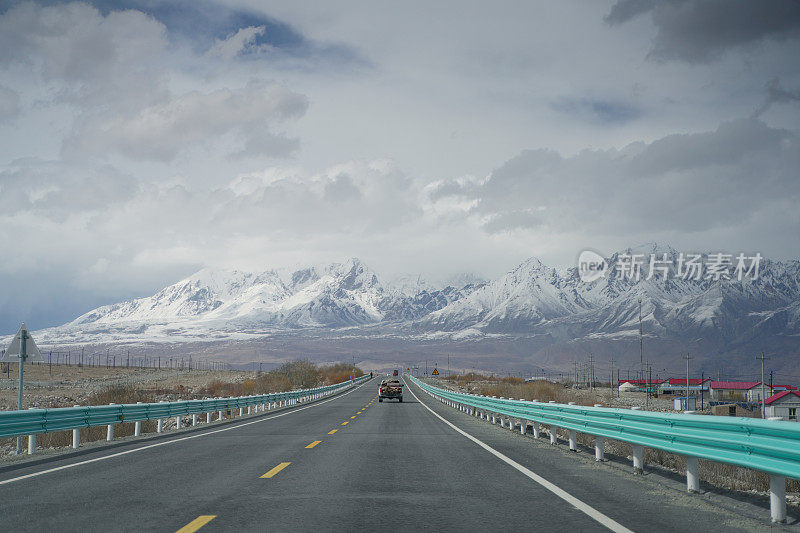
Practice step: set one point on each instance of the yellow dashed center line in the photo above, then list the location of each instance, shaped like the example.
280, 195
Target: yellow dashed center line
331, 432
352, 417
197, 523
313, 444
345, 423
275, 470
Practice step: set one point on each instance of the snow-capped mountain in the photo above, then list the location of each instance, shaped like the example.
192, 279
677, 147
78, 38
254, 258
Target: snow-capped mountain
532, 301
535, 299
213, 303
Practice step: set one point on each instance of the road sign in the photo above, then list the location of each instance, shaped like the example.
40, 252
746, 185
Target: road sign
22, 349
32, 353
435, 372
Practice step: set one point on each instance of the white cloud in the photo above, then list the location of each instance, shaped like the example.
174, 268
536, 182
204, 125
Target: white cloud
135, 152
162, 131
240, 42
93, 59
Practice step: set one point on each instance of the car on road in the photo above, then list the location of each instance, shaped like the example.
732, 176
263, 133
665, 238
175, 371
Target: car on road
390, 389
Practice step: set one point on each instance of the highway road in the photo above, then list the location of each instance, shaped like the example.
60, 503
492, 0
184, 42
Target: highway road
350, 463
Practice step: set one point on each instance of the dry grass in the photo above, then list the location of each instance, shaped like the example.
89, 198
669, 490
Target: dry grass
542, 391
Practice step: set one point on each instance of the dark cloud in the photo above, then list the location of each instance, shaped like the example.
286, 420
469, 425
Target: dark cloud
700, 31
688, 183
776, 95
733, 143
624, 10
604, 112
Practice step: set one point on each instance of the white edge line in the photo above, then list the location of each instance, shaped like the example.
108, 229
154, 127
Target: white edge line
172, 441
610, 523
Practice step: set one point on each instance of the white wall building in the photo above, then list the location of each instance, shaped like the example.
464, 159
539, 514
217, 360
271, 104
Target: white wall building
785, 404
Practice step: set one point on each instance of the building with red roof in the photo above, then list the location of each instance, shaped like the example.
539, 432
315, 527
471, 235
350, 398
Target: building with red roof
784, 405
743, 391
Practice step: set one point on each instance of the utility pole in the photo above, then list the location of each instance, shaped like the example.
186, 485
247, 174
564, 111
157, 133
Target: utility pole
771, 390
687, 380
763, 358
591, 371
611, 382
641, 342
702, 388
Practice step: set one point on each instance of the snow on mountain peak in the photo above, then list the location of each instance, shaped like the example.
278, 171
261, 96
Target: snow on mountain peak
531, 299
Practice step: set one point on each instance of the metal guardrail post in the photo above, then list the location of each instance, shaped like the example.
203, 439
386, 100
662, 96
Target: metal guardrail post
599, 452
160, 423
777, 498
553, 435
76, 436
692, 474
31, 441
638, 459
194, 419
137, 427
110, 429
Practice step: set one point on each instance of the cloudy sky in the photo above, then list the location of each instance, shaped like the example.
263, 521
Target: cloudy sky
142, 140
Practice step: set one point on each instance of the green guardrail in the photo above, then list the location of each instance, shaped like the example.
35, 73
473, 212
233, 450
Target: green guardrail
771, 446
766, 445
37, 421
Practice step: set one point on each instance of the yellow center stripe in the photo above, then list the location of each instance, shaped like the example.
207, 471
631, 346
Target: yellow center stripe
345, 423
313, 444
331, 432
352, 417
197, 523
275, 470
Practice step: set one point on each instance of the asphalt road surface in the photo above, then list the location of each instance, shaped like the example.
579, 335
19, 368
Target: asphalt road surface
350, 463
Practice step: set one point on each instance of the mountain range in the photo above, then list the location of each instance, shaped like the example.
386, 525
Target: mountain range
552, 309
